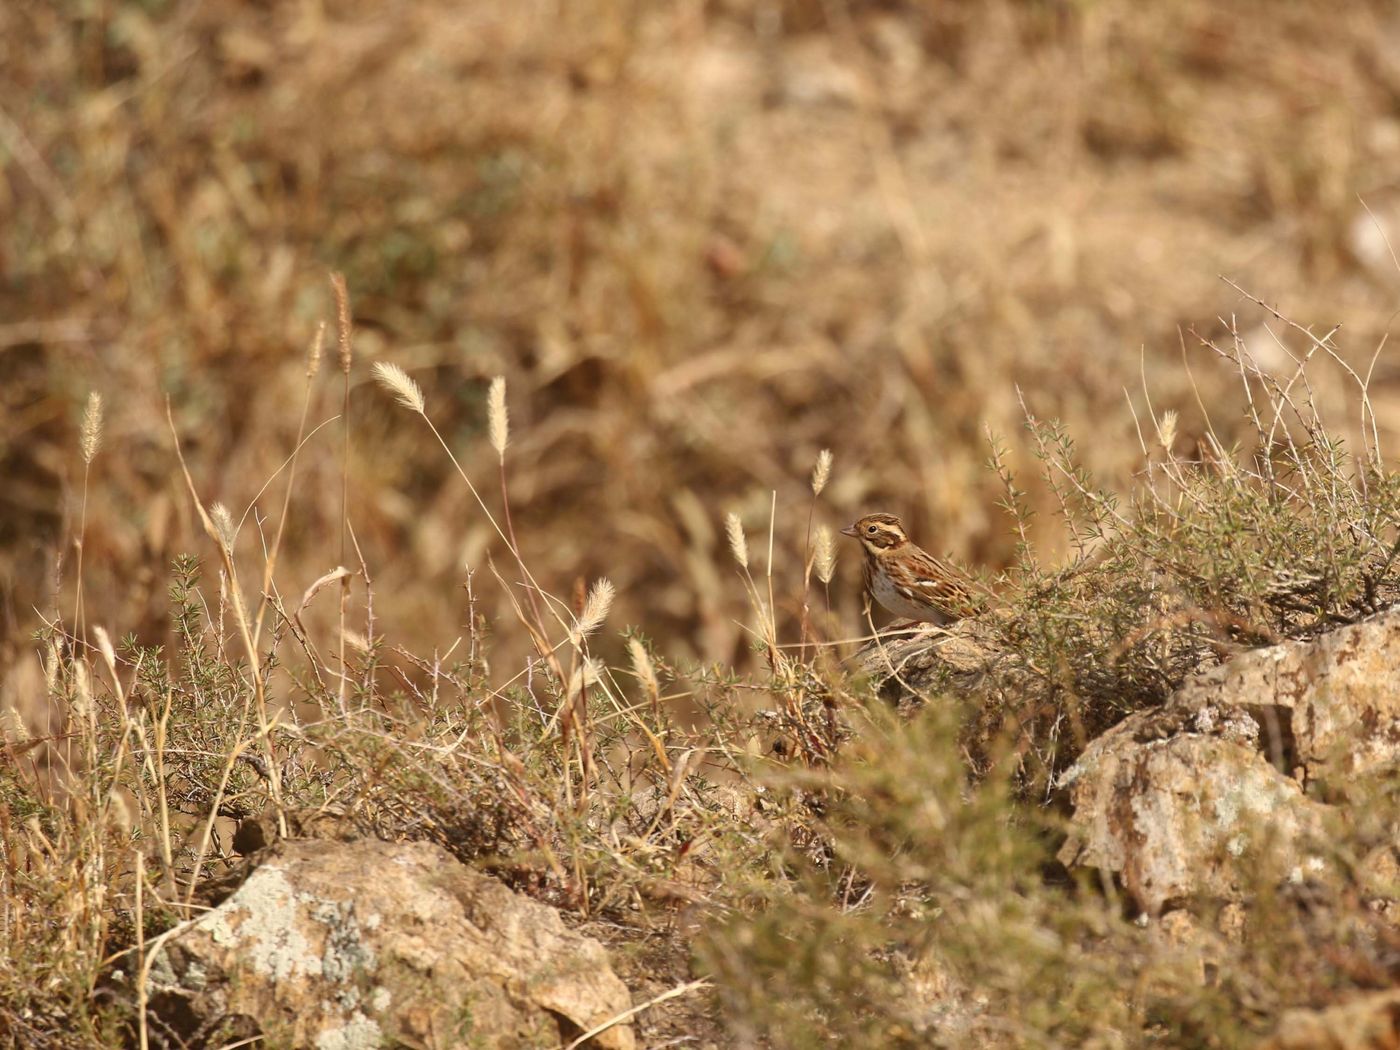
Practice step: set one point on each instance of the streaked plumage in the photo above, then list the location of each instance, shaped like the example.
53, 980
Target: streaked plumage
906, 579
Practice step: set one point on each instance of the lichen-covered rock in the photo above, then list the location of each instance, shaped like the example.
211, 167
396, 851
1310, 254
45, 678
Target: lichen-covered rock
345, 945
1177, 800
1330, 706
1371, 1022
1179, 816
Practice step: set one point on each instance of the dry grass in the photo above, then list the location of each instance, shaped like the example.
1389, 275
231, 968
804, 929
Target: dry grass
637, 270
700, 245
877, 886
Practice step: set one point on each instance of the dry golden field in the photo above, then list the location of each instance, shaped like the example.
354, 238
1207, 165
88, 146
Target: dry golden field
701, 242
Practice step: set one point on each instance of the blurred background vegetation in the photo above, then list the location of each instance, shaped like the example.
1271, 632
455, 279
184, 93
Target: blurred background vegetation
702, 241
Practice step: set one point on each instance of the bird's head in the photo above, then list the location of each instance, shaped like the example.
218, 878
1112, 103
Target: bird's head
878, 532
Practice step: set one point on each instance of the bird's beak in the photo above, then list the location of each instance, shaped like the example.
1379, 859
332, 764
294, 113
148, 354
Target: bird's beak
849, 530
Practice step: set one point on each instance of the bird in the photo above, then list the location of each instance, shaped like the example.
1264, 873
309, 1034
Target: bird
908, 580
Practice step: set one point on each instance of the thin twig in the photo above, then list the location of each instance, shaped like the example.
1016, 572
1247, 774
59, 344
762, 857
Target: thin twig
674, 993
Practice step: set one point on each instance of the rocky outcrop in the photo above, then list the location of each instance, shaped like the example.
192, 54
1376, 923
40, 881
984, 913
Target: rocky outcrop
1326, 709
344, 945
966, 657
1178, 814
1178, 800
1370, 1022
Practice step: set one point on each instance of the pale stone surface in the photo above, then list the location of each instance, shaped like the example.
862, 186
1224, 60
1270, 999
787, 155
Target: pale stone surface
1330, 706
1183, 815
1183, 799
339, 946
1370, 1022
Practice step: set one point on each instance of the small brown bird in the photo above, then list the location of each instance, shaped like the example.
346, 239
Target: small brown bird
906, 579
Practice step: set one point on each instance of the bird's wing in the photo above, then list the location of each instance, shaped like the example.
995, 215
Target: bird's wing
946, 586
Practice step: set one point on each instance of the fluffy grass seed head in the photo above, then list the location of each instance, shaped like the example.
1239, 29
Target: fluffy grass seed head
738, 545
82, 687
92, 426
821, 472
395, 380
223, 524
343, 321
1166, 430
824, 554
589, 672
643, 668
50, 662
12, 724
595, 608
498, 416
313, 355
104, 645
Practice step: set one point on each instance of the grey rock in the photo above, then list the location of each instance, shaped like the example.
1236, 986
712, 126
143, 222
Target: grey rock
1180, 800
339, 946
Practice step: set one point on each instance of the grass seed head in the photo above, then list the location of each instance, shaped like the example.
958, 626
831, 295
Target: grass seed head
589, 672
738, 545
104, 644
223, 524
92, 426
395, 380
313, 356
343, 322
82, 686
821, 472
643, 668
498, 416
50, 662
13, 728
595, 609
824, 554
1166, 430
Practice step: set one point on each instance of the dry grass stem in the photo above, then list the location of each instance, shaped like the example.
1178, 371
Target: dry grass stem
345, 340
90, 443
256, 694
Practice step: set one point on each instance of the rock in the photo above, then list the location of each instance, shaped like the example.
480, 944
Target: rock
1330, 706
1184, 815
1371, 1022
366, 944
1177, 799
962, 657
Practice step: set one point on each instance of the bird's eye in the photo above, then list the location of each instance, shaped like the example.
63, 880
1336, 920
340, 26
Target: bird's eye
871, 529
